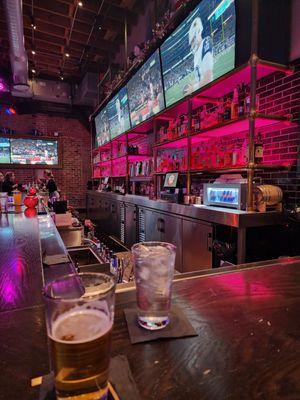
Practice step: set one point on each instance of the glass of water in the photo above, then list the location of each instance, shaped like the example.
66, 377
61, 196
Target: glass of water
154, 271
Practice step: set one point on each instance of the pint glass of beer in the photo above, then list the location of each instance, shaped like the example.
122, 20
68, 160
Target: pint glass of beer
79, 316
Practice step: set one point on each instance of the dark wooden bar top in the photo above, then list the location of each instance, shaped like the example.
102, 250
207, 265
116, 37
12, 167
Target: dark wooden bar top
247, 346
23, 343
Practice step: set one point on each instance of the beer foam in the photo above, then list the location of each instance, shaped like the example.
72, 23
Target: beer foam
80, 326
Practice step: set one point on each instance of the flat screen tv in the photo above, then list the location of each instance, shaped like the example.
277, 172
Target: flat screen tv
102, 128
34, 151
201, 49
145, 91
118, 114
4, 151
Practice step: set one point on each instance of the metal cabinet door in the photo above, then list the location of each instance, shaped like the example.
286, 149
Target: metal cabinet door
152, 229
114, 219
196, 245
171, 232
91, 205
130, 225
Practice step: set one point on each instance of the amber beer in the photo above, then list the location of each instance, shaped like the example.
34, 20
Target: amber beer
79, 324
80, 351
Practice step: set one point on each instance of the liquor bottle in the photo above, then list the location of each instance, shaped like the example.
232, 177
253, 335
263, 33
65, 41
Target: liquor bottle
258, 149
247, 101
242, 94
140, 168
221, 111
235, 104
227, 110
203, 115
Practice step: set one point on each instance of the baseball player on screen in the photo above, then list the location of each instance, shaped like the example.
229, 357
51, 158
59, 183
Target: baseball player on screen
202, 50
120, 116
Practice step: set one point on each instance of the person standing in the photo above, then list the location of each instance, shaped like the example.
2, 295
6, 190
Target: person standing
51, 186
1, 181
9, 183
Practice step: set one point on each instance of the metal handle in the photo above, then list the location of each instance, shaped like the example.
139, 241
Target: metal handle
209, 242
158, 224
162, 229
134, 215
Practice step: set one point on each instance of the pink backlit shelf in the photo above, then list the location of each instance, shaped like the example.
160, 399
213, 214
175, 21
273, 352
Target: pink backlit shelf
131, 157
226, 83
237, 126
141, 178
172, 170
240, 168
177, 143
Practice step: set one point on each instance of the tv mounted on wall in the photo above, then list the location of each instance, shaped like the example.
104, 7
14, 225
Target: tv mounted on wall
200, 50
145, 91
118, 114
29, 152
102, 128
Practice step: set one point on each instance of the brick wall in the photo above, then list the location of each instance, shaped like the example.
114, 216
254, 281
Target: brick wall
76, 143
280, 94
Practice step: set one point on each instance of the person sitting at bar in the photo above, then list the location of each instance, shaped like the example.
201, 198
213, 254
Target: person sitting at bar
51, 186
1, 181
9, 183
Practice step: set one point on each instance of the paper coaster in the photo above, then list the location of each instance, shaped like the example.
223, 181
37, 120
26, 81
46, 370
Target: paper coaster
178, 327
122, 385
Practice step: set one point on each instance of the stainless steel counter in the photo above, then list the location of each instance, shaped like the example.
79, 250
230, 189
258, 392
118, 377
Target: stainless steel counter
215, 215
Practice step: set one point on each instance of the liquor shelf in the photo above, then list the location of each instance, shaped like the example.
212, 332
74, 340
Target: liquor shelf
208, 131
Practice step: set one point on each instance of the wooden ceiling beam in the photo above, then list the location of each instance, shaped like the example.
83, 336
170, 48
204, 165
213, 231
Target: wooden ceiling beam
63, 22
53, 6
114, 12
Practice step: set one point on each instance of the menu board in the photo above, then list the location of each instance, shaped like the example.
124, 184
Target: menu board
34, 151
102, 128
4, 151
201, 49
118, 114
145, 91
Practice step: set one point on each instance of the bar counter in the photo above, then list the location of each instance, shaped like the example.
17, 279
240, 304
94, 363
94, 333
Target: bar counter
217, 215
192, 228
247, 320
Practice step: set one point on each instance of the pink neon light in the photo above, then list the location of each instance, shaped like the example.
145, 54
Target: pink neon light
177, 144
226, 85
233, 127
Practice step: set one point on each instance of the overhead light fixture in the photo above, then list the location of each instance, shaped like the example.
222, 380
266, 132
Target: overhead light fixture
80, 4
33, 71
33, 52
67, 55
61, 78
33, 25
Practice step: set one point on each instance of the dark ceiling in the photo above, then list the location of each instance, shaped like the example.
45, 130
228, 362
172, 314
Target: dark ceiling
91, 34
